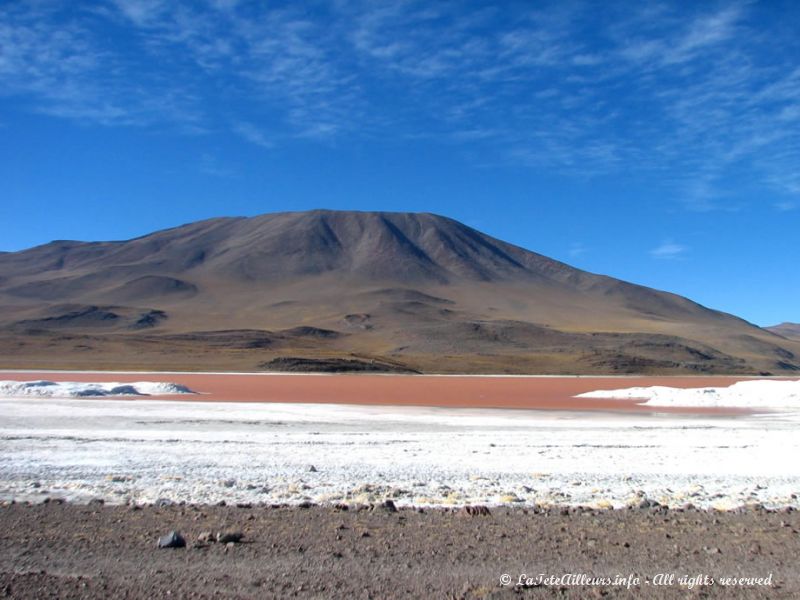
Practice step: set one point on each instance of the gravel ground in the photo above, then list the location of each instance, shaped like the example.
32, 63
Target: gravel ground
61, 550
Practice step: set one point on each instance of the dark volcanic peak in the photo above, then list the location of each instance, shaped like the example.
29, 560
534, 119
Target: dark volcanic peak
361, 249
385, 249
405, 247
333, 285
402, 247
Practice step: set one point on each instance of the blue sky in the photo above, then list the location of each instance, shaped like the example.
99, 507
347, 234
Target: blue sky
655, 142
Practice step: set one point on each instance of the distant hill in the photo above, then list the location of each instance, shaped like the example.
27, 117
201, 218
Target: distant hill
787, 330
400, 291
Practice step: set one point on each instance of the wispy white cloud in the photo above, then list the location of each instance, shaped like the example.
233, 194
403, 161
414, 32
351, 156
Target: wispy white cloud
253, 134
668, 250
276, 60
59, 63
142, 12
211, 165
577, 249
694, 97
683, 40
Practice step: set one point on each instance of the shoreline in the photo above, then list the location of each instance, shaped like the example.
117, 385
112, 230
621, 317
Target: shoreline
409, 375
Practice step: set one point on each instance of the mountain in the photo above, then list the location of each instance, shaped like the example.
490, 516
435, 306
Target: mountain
788, 330
343, 290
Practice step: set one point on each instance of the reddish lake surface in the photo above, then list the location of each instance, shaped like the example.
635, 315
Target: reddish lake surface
548, 393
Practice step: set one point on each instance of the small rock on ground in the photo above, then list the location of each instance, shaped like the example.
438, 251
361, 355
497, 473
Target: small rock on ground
172, 540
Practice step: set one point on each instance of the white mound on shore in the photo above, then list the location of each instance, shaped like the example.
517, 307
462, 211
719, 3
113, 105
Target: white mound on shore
74, 389
757, 394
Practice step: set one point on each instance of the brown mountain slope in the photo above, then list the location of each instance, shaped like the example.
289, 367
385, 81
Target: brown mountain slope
790, 331
414, 291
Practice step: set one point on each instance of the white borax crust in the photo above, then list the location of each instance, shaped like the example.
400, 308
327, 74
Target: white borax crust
757, 394
74, 389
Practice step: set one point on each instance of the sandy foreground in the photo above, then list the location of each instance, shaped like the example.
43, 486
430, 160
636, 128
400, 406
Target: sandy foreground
65, 551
